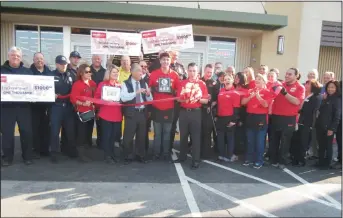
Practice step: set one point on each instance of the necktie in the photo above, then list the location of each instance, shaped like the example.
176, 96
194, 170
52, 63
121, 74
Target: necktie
138, 96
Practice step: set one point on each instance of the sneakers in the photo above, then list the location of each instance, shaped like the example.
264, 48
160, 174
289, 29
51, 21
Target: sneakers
247, 163
275, 165
257, 165
234, 158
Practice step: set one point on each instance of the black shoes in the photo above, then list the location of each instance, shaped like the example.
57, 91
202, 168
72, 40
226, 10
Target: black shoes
28, 162
6, 163
195, 165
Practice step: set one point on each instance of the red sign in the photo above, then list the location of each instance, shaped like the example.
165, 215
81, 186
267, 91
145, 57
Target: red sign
99, 35
149, 34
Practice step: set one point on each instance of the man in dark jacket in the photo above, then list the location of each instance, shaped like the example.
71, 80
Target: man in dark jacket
12, 112
98, 73
40, 119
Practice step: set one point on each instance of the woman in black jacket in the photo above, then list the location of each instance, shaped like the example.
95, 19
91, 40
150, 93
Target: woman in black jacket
327, 122
306, 121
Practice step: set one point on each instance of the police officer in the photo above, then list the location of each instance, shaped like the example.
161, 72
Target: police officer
207, 112
190, 114
62, 113
74, 59
40, 119
12, 112
98, 73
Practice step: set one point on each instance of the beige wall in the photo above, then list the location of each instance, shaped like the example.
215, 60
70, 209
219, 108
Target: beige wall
292, 35
6, 39
256, 49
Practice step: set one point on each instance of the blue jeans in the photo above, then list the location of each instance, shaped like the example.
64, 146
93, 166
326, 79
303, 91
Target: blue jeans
229, 137
162, 138
255, 145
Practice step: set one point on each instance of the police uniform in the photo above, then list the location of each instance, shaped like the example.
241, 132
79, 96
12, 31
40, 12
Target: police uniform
12, 112
62, 112
40, 119
207, 118
73, 73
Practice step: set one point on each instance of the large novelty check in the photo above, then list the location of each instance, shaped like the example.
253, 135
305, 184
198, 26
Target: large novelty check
27, 88
167, 39
115, 43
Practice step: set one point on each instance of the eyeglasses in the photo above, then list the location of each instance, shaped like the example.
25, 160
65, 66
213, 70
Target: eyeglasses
144, 66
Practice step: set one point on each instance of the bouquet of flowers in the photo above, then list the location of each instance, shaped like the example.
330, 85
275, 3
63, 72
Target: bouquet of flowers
191, 92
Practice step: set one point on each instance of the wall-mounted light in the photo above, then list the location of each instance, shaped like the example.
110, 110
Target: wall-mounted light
280, 45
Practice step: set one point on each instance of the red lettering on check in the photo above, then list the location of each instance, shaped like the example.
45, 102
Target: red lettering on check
98, 35
149, 34
3, 79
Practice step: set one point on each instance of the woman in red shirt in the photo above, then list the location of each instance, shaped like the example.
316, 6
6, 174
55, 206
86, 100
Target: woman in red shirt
84, 86
228, 103
249, 72
110, 116
257, 102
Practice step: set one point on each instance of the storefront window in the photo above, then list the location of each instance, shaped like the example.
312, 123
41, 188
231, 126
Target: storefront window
222, 50
51, 39
26, 38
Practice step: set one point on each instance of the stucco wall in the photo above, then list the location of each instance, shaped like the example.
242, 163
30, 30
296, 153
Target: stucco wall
291, 33
313, 13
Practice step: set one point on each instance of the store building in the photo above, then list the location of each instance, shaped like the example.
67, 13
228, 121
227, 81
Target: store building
278, 34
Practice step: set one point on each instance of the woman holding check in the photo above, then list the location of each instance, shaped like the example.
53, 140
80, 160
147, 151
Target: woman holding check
110, 116
257, 102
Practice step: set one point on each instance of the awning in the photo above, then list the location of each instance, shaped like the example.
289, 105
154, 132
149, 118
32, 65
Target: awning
151, 13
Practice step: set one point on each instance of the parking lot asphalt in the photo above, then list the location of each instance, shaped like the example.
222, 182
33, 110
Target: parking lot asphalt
163, 189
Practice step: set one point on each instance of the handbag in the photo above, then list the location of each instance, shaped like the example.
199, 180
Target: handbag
86, 116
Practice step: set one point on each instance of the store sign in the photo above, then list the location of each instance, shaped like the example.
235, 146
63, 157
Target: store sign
115, 43
27, 88
167, 39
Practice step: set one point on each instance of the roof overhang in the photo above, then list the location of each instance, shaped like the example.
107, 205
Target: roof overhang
150, 13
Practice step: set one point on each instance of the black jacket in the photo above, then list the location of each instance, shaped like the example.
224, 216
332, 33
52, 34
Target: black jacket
7, 69
308, 110
98, 76
329, 113
45, 72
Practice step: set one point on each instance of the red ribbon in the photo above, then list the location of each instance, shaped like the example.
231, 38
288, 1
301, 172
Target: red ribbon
102, 102
63, 96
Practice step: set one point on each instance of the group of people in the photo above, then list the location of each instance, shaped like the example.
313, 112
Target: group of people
253, 115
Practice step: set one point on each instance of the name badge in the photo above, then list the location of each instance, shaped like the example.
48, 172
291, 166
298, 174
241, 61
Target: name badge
164, 85
109, 93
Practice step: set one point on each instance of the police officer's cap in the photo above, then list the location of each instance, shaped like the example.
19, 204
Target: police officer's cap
75, 54
60, 59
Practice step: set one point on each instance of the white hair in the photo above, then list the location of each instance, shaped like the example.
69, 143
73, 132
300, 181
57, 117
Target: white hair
135, 68
332, 74
315, 71
15, 49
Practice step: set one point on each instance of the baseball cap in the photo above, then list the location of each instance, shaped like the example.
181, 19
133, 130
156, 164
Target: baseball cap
60, 59
75, 54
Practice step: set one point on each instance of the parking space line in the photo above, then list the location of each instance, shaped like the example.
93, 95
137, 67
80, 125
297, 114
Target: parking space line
230, 198
269, 183
315, 189
192, 204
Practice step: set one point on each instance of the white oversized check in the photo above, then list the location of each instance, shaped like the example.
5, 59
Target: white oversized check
110, 93
27, 88
167, 39
115, 43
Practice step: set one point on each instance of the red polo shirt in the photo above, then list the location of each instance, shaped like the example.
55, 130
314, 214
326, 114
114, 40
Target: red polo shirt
252, 84
107, 112
153, 82
254, 106
270, 85
282, 107
227, 101
203, 89
80, 88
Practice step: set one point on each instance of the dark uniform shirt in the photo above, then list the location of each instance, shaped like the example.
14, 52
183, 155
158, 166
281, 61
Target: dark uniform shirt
212, 89
63, 84
35, 71
98, 76
72, 70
